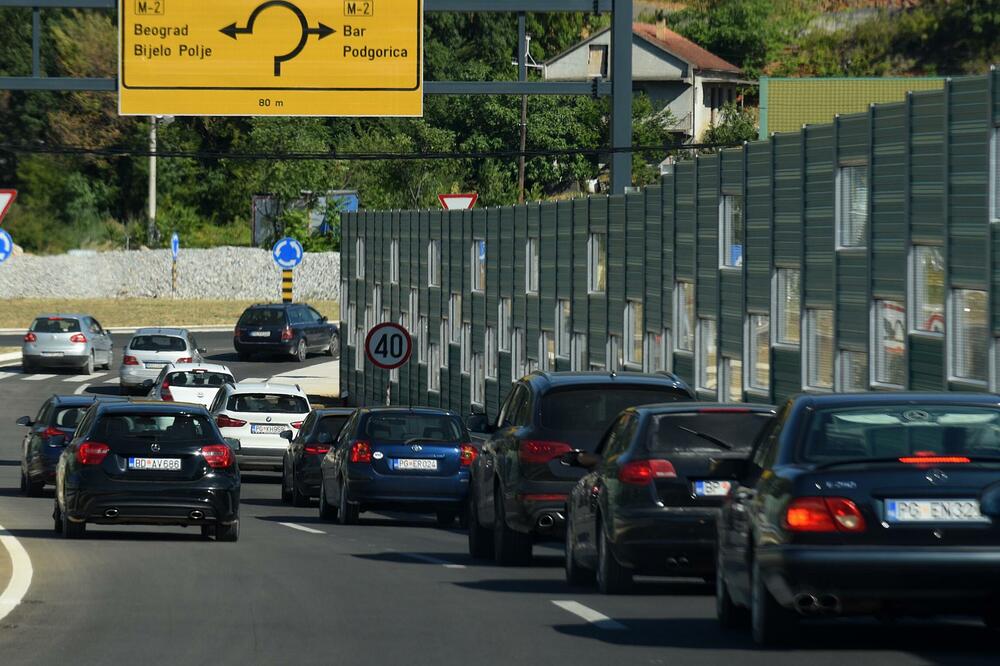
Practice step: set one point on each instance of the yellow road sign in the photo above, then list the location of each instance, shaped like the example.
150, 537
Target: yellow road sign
271, 57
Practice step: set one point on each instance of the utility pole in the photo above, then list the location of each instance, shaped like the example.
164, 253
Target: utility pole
522, 75
151, 235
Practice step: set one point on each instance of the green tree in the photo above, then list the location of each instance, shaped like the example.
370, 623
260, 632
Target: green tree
737, 124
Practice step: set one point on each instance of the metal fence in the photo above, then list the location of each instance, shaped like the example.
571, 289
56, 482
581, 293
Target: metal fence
858, 255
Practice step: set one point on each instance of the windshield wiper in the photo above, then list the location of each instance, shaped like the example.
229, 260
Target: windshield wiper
896, 459
707, 438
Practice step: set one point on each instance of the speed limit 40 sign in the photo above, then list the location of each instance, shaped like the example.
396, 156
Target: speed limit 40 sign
388, 346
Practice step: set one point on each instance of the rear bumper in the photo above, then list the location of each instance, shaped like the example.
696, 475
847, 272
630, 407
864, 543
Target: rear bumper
65, 361
143, 505
663, 541
134, 375
373, 490
268, 347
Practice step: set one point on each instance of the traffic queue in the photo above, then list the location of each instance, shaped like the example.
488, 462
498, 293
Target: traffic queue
832, 505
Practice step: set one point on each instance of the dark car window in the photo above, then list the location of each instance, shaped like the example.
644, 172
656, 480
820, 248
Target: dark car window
315, 316
399, 428
55, 325
199, 379
592, 408
100, 329
278, 403
521, 416
163, 428
44, 413
889, 431
167, 343
69, 417
332, 425
617, 440
679, 432
263, 317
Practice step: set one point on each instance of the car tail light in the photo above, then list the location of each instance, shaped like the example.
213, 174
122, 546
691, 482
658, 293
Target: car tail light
641, 472
31, 337
286, 334
165, 393
535, 452
317, 449
185, 359
935, 460
361, 452
823, 514
467, 453
297, 424
218, 456
92, 453
52, 431
224, 421
130, 360
78, 338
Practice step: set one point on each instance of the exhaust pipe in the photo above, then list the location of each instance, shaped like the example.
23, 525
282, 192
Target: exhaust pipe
111, 513
196, 515
545, 521
806, 603
828, 603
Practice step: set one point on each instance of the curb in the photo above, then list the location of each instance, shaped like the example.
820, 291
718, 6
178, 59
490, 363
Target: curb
212, 328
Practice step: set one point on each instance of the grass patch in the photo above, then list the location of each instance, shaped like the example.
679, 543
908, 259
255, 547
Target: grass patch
114, 313
9, 350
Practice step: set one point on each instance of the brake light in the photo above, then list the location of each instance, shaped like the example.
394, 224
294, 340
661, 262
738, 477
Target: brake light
823, 514
31, 337
317, 449
224, 421
185, 359
52, 431
467, 454
361, 452
130, 360
78, 338
935, 460
297, 424
535, 452
92, 453
641, 472
218, 456
286, 334
165, 393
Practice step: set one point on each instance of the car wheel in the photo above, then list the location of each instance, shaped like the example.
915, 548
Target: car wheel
446, 518
575, 574
329, 348
301, 352
228, 532
57, 518
348, 513
111, 361
612, 576
771, 623
88, 367
31, 488
730, 615
327, 511
510, 547
298, 499
207, 531
480, 538
286, 491
27, 368
72, 530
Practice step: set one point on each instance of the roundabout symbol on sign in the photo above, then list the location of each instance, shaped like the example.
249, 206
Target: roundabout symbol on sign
6, 246
388, 346
287, 253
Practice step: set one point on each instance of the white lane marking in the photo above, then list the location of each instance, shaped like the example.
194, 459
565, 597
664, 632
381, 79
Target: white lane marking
81, 389
5, 375
302, 528
37, 378
113, 380
599, 620
433, 560
83, 378
21, 573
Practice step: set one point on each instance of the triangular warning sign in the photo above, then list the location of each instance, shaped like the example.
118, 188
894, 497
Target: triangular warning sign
6, 199
458, 201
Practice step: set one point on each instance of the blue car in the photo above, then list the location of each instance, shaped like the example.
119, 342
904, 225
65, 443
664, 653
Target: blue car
400, 459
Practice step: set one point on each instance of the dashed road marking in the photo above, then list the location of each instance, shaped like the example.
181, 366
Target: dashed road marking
5, 375
599, 620
84, 378
433, 560
22, 572
302, 528
81, 389
37, 378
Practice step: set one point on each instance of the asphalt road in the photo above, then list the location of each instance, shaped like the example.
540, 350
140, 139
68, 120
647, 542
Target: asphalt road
388, 591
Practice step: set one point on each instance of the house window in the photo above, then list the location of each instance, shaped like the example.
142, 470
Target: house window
546, 351
386, 315
969, 335
656, 351
394, 261
478, 264
579, 354
359, 353
352, 324
531, 266
734, 379
684, 315
434, 369
414, 309
423, 340
443, 333
889, 343
564, 328
506, 324
597, 64
928, 289
787, 306
359, 258
759, 356
708, 359
633, 333
434, 263
819, 349
465, 364
613, 353
853, 372
519, 356
852, 206
478, 381
491, 353
344, 296
995, 175
597, 264
455, 317
731, 230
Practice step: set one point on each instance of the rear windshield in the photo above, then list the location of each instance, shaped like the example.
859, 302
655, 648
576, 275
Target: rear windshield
163, 428
891, 431
68, 417
397, 428
594, 408
332, 425
695, 431
167, 343
263, 317
268, 403
199, 379
55, 325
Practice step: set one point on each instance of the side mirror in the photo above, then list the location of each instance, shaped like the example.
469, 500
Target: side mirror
233, 444
989, 501
202, 350
728, 468
324, 438
479, 423
287, 434
24, 421
324, 319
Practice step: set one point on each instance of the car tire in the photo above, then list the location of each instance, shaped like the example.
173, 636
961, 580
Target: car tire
612, 576
228, 532
327, 511
347, 513
31, 488
510, 547
70, 529
730, 615
301, 352
298, 499
88, 367
480, 538
771, 623
575, 574
111, 361
286, 491
57, 518
329, 348
207, 531
27, 367
446, 518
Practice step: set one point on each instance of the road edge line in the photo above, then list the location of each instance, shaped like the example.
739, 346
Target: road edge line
21, 573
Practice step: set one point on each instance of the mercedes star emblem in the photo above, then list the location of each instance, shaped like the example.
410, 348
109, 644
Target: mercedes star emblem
154, 447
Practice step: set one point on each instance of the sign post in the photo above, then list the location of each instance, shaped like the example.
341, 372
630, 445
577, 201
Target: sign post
287, 254
175, 250
388, 346
7, 198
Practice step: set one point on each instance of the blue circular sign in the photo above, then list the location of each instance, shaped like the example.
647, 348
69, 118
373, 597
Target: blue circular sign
287, 253
6, 245
175, 246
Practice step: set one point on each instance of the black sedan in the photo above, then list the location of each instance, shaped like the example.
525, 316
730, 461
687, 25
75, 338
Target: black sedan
148, 463
47, 435
870, 504
301, 464
649, 502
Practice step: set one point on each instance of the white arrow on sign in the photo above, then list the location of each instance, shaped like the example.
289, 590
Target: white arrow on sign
458, 201
6, 199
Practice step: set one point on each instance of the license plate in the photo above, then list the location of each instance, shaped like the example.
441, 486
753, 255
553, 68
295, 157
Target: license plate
52, 353
933, 511
712, 488
267, 429
158, 464
260, 334
415, 463
156, 364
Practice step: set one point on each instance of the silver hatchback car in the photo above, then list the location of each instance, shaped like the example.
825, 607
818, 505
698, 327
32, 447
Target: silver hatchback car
152, 349
66, 341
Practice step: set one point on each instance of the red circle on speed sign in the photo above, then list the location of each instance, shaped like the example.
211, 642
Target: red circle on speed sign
388, 346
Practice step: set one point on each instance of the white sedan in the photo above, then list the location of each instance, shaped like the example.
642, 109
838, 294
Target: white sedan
197, 383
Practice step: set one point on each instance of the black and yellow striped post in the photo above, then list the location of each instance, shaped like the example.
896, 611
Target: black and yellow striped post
286, 286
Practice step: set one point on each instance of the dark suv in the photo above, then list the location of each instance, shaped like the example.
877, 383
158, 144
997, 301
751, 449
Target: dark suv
288, 328
519, 486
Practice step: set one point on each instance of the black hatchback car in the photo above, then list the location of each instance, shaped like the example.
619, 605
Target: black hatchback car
880, 504
519, 486
293, 329
47, 435
148, 463
301, 463
649, 501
